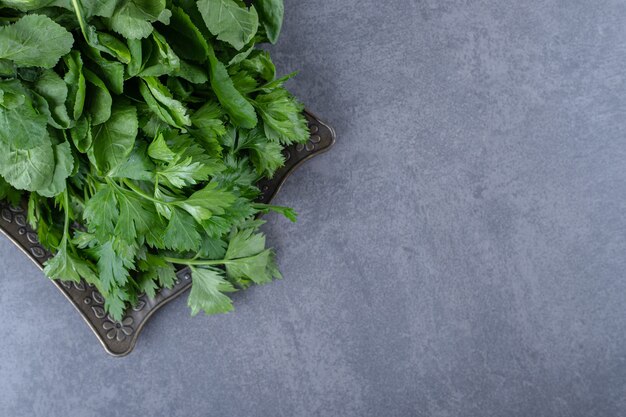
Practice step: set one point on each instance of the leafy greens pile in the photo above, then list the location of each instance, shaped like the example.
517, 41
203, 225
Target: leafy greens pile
139, 129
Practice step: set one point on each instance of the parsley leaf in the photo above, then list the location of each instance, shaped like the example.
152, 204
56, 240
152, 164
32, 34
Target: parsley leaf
207, 292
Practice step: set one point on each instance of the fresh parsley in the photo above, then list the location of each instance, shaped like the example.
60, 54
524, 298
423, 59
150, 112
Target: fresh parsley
137, 130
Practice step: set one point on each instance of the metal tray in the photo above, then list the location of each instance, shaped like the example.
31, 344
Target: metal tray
119, 338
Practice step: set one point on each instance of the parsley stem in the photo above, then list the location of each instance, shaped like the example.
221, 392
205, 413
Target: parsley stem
79, 16
183, 261
139, 191
66, 203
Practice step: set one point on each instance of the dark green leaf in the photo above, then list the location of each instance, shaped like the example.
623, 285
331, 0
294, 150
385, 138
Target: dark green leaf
34, 41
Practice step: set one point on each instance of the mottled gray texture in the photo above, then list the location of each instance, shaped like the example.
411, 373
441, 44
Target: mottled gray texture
460, 252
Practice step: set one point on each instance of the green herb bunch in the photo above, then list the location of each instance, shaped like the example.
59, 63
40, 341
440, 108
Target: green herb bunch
139, 129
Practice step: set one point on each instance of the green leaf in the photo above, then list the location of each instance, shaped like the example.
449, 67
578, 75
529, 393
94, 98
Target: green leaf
101, 213
161, 102
115, 303
136, 57
209, 126
207, 292
288, 212
54, 90
111, 72
181, 233
282, 116
81, 134
137, 167
206, 202
157, 269
159, 150
266, 156
114, 140
9, 193
99, 101
114, 47
28, 169
248, 258
21, 126
111, 267
76, 85
271, 15
25, 5
34, 41
66, 266
137, 219
185, 38
230, 21
64, 164
238, 108
159, 58
261, 64
104, 8
133, 18
184, 173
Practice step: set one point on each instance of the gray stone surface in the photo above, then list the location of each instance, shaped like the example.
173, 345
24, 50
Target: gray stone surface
460, 252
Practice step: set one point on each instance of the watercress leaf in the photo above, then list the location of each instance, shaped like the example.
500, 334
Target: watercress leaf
81, 135
34, 41
159, 57
231, 21
207, 292
136, 57
114, 140
113, 46
192, 73
111, 72
28, 169
99, 100
64, 164
238, 108
54, 90
185, 37
21, 126
133, 18
76, 85
162, 103
271, 15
